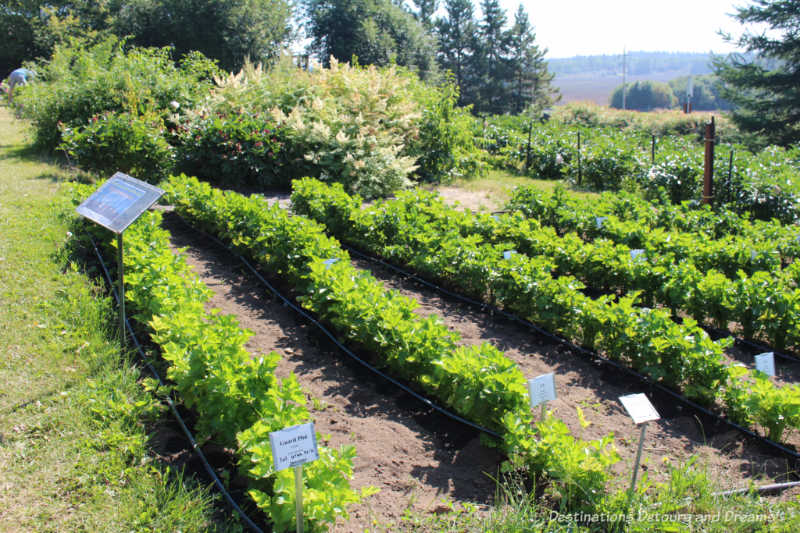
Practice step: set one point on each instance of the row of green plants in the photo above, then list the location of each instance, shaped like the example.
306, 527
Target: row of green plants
726, 243
236, 396
764, 185
766, 305
477, 382
681, 356
112, 107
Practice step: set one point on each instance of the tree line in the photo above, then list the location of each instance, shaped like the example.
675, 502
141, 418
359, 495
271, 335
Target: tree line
495, 62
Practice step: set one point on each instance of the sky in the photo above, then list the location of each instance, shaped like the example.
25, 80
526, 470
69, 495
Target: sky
592, 27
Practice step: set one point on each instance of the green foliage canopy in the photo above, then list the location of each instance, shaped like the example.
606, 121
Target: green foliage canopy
377, 32
766, 91
644, 96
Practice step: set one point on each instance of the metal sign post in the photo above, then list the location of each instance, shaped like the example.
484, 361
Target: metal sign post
115, 205
641, 411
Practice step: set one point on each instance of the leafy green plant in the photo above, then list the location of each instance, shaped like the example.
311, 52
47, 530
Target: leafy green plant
121, 142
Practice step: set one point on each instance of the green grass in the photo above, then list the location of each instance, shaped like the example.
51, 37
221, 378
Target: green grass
498, 185
74, 417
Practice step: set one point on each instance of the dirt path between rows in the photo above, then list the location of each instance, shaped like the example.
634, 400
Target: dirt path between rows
416, 458
729, 458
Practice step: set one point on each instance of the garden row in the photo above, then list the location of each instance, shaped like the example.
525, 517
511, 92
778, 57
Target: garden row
477, 382
648, 340
624, 220
766, 305
765, 184
237, 397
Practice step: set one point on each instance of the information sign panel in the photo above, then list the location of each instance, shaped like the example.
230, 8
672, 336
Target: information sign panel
119, 202
542, 389
294, 446
765, 362
639, 408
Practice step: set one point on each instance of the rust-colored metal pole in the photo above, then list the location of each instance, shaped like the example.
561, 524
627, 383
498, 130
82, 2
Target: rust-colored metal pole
708, 171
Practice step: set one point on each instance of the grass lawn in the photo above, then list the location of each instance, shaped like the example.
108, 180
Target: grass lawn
498, 185
74, 417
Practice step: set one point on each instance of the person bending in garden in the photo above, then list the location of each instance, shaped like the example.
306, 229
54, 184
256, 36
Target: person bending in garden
18, 77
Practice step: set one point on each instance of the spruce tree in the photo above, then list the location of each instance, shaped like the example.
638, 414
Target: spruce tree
491, 62
531, 82
456, 33
766, 90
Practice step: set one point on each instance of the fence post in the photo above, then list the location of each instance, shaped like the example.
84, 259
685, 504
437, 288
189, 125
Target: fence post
528, 150
580, 170
708, 170
652, 149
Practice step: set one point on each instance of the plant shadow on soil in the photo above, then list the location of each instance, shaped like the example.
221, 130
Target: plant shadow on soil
410, 451
596, 387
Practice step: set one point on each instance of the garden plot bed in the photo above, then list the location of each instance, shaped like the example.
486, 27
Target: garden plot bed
595, 390
417, 459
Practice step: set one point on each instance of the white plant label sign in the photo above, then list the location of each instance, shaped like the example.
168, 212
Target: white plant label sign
599, 221
639, 408
294, 446
542, 389
765, 362
508, 253
637, 252
329, 262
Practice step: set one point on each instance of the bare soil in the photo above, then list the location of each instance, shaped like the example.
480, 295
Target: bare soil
418, 459
730, 458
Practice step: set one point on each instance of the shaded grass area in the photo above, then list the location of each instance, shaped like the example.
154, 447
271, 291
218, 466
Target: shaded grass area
74, 417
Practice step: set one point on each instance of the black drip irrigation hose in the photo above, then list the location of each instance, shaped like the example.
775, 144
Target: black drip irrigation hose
341, 346
740, 340
585, 351
252, 525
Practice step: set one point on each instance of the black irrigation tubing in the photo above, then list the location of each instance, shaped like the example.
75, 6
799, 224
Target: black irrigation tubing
591, 353
341, 346
172, 407
767, 348
740, 340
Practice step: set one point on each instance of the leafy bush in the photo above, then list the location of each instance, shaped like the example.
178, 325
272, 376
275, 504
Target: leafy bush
373, 130
121, 142
239, 149
80, 82
644, 96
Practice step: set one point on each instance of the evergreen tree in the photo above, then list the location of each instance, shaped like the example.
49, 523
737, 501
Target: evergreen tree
491, 60
456, 33
766, 91
425, 11
531, 87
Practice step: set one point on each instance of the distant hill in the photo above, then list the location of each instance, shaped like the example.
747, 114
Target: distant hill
594, 78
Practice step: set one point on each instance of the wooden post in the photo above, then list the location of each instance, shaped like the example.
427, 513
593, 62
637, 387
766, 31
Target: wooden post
528, 151
653, 149
708, 170
580, 170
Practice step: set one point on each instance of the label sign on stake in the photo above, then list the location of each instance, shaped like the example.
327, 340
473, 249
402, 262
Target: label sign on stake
542, 389
639, 408
294, 446
119, 201
637, 252
765, 362
508, 253
599, 221
329, 262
